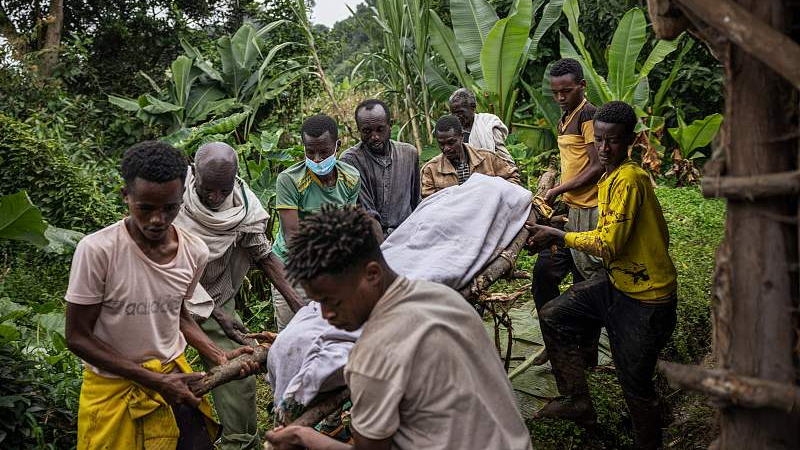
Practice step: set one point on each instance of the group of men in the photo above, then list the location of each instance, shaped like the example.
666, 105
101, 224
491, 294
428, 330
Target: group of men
424, 373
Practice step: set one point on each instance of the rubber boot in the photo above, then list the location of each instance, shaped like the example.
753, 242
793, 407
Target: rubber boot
577, 408
647, 421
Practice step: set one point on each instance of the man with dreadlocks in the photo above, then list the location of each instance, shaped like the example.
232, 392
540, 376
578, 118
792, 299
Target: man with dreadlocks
424, 373
634, 298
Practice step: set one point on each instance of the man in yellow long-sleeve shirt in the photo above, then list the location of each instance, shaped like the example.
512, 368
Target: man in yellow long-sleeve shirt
635, 300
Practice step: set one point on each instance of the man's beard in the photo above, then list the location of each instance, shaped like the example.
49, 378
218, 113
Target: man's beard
379, 146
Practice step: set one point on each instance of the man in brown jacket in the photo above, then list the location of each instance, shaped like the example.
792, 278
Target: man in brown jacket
459, 160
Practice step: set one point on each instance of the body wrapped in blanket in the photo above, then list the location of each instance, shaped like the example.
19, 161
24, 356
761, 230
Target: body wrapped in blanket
448, 239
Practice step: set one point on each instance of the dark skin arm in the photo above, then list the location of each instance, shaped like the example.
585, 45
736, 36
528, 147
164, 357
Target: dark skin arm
588, 176
198, 339
273, 269
80, 322
296, 437
542, 237
233, 329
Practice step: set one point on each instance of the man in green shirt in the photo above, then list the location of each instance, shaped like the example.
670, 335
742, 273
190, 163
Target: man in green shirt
634, 299
303, 188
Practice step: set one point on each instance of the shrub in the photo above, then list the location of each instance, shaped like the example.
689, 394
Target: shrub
66, 195
696, 229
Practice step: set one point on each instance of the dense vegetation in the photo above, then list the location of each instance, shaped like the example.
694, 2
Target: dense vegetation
247, 72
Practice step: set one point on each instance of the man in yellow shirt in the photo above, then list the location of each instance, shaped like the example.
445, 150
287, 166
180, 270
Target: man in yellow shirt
580, 170
635, 299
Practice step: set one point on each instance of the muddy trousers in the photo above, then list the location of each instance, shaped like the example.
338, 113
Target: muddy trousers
549, 271
234, 401
637, 333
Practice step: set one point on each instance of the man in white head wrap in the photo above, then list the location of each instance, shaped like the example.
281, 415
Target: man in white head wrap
221, 209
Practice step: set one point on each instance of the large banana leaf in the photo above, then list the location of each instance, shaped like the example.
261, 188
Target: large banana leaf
626, 45
443, 40
543, 97
573, 12
641, 94
182, 79
439, 87
223, 125
659, 102
153, 105
125, 103
472, 21
21, 221
597, 88
659, 52
61, 241
500, 57
238, 54
551, 14
697, 135
204, 100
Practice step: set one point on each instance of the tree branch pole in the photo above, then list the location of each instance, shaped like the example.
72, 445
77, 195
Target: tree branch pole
324, 405
734, 389
753, 187
751, 34
229, 371
756, 287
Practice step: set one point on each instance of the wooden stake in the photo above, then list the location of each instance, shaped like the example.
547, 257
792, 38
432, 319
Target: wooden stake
733, 389
750, 33
228, 372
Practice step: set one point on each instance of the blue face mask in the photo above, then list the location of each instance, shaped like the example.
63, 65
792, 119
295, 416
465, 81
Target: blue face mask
324, 167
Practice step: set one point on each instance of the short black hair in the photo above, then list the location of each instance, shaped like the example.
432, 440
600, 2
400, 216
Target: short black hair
316, 126
155, 161
371, 103
331, 241
447, 123
617, 112
567, 66
463, 95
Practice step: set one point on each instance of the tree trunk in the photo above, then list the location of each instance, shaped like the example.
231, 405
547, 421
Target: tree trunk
52, 40
756, 279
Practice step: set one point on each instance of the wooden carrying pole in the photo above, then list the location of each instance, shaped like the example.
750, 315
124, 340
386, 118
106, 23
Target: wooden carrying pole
756, 282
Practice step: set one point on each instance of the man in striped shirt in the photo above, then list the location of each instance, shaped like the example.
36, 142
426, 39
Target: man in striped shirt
220, 208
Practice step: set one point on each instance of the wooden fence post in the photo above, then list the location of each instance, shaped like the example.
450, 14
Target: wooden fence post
756, 279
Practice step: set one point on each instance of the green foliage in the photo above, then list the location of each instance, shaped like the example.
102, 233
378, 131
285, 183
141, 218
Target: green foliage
197, 90
697, 88
696, 228
624, 82
67, 196
20, 220
39, 376
87, 128
691, 138
491, 53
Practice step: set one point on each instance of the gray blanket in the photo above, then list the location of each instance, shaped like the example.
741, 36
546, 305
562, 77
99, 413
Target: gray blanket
449, 238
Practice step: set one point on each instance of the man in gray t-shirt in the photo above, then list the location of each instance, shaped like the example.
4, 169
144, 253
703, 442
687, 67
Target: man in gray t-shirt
390, 183
424, 373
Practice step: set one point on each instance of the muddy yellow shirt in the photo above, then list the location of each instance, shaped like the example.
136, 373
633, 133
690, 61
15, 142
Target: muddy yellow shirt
575, 132
631, 236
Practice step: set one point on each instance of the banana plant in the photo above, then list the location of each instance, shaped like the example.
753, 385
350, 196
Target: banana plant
185, 101
624, 81
693, 137
403, 63
197, 90
487, 54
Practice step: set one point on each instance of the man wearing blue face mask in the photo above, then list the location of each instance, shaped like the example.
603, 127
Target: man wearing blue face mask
304, 187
